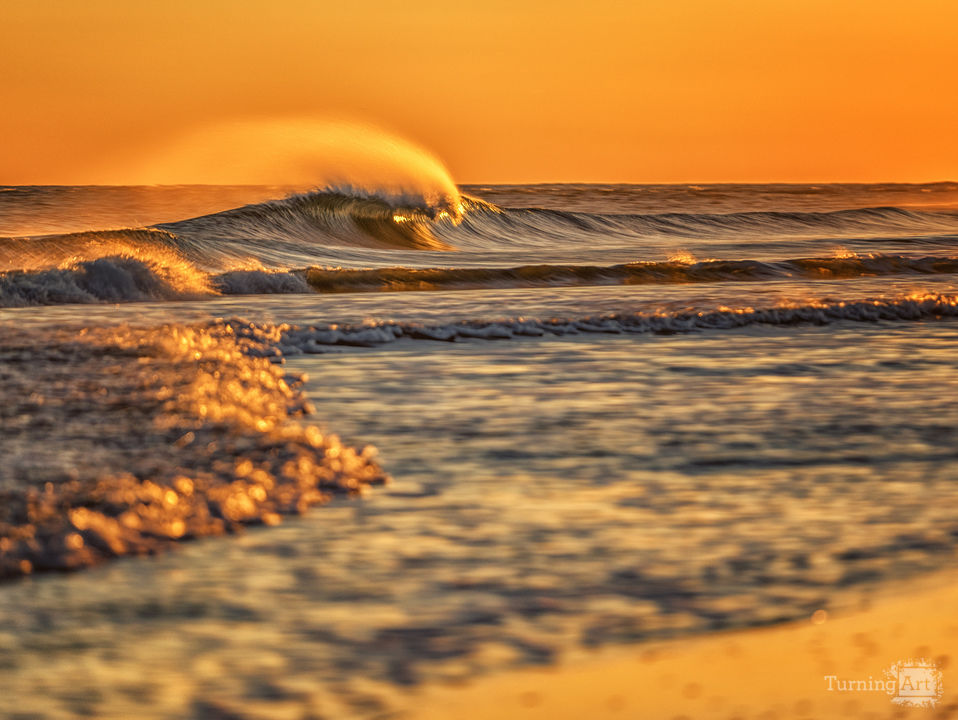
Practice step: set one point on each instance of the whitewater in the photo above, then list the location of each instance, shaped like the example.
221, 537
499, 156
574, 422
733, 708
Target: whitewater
455, 431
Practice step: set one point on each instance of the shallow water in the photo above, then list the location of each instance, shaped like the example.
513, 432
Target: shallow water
549, 495
613, 463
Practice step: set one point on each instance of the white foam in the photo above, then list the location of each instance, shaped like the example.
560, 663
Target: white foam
319, 338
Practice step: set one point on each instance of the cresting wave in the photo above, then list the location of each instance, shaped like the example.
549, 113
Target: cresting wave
355, 217
293, 232
266, 233
250, 250
138, 276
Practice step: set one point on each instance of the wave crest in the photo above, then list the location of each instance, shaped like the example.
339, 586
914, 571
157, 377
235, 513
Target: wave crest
159, 275
107, 279
340, 216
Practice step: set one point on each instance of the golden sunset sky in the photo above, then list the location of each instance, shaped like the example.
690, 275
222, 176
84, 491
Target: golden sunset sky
502, 91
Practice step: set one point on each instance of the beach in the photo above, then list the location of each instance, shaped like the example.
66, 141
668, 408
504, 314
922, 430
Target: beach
791, 671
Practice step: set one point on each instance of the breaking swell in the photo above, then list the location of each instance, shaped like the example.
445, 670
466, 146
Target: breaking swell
295, 340
140, 276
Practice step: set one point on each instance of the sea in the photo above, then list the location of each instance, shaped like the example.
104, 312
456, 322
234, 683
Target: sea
275, 451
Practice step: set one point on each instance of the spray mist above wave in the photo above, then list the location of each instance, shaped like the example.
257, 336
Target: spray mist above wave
354, 159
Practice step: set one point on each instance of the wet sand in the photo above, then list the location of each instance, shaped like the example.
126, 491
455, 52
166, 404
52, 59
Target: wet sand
778, 672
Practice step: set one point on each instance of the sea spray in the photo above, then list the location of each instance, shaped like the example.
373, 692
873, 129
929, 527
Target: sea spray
310, 152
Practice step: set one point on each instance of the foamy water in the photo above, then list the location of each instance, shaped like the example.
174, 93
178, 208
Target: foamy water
611, 414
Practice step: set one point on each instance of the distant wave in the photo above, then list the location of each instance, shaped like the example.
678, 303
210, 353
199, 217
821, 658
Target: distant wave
484, 222
675, 271
306, 229
323, 338
147, 276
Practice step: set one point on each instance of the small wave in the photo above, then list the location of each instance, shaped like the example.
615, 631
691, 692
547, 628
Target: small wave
673, 271
107, 279
260, 282
125, 278
128, 279
535, 225
322, 338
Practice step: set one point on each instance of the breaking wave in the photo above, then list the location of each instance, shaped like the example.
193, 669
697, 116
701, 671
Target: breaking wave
110, 279
322, 338
262, 233
149, 276
296, 230
389, 236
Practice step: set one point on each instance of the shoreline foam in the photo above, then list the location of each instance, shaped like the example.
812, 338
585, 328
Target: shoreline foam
161, 435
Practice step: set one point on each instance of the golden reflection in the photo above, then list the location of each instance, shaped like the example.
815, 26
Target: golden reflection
212, 399
682, 257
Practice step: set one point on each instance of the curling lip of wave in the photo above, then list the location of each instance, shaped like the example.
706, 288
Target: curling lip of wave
336, 217
346, 216
322, 338
122, 278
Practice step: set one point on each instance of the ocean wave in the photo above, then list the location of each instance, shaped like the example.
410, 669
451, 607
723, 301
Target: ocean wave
153, 276
348, 216
107, 279
320, 339
318, 226
674, 271
486, 222
270, 233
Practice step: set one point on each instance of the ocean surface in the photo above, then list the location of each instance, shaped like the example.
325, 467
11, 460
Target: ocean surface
601, 414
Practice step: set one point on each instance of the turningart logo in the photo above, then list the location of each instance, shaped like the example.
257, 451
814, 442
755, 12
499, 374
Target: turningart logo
918, 683
915, 682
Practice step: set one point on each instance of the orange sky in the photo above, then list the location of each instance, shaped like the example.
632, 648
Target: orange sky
502, 91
